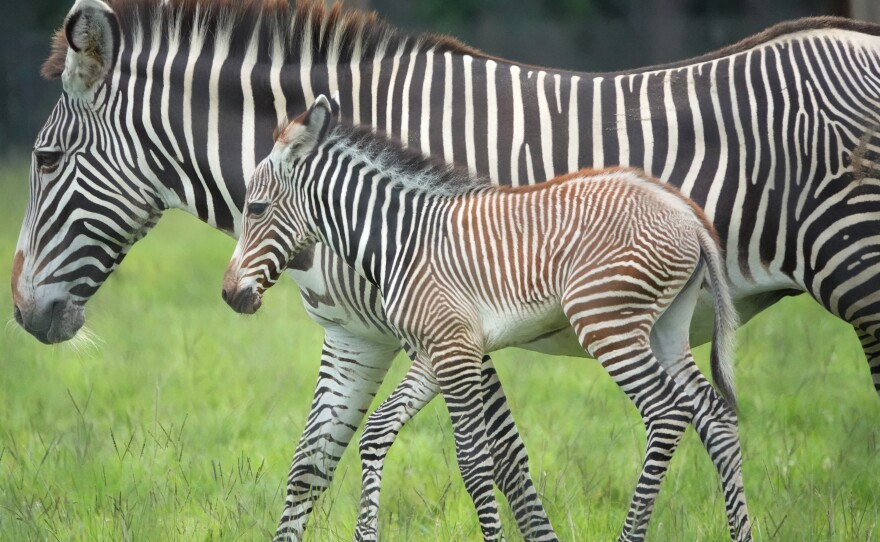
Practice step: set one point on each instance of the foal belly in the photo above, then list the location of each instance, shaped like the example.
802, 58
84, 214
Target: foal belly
559, 342
519, 326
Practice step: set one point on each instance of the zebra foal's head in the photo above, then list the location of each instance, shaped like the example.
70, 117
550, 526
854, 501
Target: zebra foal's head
277, 223
89, 197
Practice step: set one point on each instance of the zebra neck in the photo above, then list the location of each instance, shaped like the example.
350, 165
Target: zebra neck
207, 99
205, 88
373, 222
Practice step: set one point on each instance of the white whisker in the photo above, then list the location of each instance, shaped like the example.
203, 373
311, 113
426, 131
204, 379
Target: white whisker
16, 329
86, 342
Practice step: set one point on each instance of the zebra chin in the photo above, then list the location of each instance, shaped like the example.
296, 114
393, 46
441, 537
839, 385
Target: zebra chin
54, 323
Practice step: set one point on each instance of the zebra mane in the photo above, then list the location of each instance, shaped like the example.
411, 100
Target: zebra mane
338, 34
334, 33
405, 166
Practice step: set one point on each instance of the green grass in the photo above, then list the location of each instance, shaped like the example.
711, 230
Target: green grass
181, 424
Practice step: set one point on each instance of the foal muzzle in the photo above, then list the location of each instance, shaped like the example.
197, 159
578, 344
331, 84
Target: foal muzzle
244, 299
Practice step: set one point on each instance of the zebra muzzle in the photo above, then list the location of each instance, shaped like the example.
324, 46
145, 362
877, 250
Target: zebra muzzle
51, 323
242, 301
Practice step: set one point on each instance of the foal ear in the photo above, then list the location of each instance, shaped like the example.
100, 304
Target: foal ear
92, 33
306, 131
318, 118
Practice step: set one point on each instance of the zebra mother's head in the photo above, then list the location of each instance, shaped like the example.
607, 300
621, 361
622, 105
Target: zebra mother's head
277, 222
89, 200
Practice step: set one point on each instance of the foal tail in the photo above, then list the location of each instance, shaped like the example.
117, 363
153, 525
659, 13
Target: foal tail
726, 318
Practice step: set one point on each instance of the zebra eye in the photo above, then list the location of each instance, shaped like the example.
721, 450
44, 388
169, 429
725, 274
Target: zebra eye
48, 160
257, 208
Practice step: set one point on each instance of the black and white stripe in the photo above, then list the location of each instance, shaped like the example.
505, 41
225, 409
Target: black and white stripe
775, 137
465, 268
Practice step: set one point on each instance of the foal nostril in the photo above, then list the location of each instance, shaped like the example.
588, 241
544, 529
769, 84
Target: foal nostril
17, 314
224, 295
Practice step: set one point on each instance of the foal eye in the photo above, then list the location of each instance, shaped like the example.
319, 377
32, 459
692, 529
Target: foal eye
47, 160
257, 208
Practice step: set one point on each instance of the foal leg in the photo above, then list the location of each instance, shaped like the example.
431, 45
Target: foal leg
456, 364
714, 420
511, 460
716, 424
666, 411
622, 345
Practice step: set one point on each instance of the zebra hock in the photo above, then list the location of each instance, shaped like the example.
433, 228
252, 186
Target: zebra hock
614, 254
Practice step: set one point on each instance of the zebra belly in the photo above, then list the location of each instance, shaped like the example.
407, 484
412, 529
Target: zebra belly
520, 325
559, 342
336, 296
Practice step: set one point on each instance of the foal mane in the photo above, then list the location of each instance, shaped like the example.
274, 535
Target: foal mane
334, 33
406, 166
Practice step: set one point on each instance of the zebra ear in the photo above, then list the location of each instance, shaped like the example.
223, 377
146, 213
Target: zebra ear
318, 118
306, 131
92, 34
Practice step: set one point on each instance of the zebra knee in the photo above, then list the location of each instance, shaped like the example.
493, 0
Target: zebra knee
676, 406
373, 445
713, 412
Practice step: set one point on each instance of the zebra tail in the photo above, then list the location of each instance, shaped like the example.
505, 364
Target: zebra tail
726, 320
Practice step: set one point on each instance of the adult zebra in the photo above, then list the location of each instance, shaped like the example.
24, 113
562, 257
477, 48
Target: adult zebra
776, 137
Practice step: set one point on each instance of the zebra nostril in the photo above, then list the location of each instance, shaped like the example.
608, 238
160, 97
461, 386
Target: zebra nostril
17, 314
224, 295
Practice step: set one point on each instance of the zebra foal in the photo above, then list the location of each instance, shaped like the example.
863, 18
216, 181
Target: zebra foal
466, 268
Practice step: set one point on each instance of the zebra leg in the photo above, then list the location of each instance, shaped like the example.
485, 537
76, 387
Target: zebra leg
415, 391
714, 420
510, 458
512, 461
666, 410
457, 369
716, 425
351, 371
